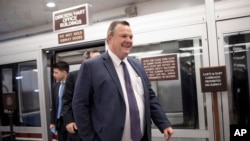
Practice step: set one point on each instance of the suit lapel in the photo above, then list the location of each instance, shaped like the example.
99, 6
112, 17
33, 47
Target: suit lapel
112, 72
139, 72
135, 67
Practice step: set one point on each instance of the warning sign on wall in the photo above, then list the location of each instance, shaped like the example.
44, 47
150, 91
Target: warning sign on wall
213, 79
161, 67
71, 17
71, 36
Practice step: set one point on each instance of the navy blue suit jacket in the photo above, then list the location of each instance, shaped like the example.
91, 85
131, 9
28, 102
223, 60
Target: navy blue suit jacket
54, 105
98, 103
68, 96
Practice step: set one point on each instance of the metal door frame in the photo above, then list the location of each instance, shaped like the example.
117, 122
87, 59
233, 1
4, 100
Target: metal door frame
40, 59
223, 27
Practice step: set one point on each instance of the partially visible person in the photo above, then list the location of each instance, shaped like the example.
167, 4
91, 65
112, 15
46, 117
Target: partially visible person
68, 96
113, 98
60, 72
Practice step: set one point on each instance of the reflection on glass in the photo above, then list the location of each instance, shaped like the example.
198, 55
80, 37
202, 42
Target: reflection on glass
21, 79
178, 96
237, 56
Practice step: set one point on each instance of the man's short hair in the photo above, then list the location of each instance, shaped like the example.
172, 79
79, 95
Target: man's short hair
62, 66
114, 24
86, 54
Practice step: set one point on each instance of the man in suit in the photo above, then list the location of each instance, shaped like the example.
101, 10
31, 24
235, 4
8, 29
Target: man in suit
102, 104
60, 71
68, 96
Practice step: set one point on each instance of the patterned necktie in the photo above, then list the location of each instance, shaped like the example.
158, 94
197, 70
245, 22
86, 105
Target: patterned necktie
133, 109
59, 108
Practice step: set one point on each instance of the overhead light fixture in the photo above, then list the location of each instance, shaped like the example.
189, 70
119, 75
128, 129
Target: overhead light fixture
50, 4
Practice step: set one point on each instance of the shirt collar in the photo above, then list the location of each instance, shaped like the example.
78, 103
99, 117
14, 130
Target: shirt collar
115, 59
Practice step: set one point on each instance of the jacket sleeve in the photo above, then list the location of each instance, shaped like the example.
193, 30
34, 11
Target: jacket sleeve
82, 104
157, 113
53, 104
67, 98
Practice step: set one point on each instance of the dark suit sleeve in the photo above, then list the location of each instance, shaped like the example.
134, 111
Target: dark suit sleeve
82, 101
67, 98
157, 113
53, 110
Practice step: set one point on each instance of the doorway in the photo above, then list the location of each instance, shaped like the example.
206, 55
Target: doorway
234, 53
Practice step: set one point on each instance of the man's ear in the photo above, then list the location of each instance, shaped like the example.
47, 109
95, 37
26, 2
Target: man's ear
109, 37
65, 73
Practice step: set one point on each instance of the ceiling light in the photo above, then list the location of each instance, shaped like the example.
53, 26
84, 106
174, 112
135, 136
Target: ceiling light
51, 4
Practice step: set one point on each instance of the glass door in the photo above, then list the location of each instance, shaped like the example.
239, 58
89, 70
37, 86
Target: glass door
21, 80
172, 65
234, 53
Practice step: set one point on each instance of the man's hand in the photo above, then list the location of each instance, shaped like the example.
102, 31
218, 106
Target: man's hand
52, 126
168, 132
71, 127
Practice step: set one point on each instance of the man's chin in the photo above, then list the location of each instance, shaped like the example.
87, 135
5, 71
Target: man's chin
127, 50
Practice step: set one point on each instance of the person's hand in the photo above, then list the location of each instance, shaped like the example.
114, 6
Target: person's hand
71, 127
168, 132
52, 126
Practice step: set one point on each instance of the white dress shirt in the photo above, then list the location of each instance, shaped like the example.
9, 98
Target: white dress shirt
138, 91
